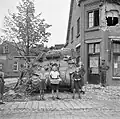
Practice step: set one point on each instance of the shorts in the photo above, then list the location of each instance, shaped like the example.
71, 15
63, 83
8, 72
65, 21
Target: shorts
42, 85
1, 88
77, 85
54, 86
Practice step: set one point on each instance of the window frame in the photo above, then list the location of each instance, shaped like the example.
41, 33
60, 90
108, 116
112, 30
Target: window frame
1, 66
5, 49
72, 34
94, 48
115, 54
15, 65
78, 26
93, 18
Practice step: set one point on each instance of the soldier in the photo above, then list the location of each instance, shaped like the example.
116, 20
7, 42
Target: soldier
103, 69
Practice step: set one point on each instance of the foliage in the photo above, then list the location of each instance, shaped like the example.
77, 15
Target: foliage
24, 28
112, 1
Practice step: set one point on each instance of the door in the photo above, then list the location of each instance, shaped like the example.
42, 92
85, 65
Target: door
93, 69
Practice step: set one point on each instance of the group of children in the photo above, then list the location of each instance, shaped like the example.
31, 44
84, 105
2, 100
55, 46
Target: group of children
55, 79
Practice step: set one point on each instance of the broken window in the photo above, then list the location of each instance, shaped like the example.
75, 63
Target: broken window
112, 18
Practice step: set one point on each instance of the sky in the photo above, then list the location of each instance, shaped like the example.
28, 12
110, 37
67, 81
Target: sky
55, 12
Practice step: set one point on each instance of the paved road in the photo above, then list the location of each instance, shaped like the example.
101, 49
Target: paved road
95, 104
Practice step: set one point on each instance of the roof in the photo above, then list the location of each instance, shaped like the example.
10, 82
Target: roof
59, 46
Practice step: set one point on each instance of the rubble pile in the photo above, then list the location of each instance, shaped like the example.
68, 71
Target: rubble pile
92, 91
11, 95
104, 93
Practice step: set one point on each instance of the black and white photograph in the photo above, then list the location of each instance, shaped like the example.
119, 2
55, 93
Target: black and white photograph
59, 59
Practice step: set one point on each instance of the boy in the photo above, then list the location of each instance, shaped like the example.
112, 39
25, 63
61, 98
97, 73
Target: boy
43, 81
82, 71
55, 76
77, 78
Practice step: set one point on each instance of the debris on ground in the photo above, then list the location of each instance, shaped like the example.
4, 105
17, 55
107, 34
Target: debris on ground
101, 93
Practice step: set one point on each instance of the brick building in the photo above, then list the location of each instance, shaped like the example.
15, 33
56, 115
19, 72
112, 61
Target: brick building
94, 32
8, 64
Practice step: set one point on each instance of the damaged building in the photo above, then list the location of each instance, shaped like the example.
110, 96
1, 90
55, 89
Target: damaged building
94, 33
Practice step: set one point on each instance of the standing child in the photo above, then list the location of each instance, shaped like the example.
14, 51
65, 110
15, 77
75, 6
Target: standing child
55, 76
43, 81
1, 87
82, 71
77, 78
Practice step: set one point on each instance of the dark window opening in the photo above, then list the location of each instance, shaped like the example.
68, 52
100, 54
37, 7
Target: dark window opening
72, 33
112, 21
96, 18
78, 26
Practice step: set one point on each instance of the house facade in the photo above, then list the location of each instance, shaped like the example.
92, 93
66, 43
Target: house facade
94, 33
8, 64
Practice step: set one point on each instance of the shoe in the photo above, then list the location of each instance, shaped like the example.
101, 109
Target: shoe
83, 92
53, 98
43, 98
58, 98
2, 103
79, 97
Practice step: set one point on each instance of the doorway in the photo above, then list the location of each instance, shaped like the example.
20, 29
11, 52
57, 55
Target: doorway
93, 69
93, 63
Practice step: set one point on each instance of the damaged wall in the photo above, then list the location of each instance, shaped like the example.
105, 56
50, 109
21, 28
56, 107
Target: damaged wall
110, 15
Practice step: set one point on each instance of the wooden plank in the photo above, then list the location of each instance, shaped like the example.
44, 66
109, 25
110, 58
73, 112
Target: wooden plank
8, 105
68, 105
15, 105
28, 105
74, 104
54, 105
83, 104
61, 104
22, 105
41, 105
35, 105
33, 116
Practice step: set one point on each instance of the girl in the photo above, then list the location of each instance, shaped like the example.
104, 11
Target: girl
54, 79
43, 80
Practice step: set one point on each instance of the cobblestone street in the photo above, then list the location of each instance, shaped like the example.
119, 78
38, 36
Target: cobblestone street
95, 104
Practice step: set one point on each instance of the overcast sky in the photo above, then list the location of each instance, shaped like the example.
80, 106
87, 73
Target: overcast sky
55, 12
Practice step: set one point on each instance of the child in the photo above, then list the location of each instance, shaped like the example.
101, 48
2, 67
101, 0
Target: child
77, 82
55, 79
1, 87
43, 81
82, 71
